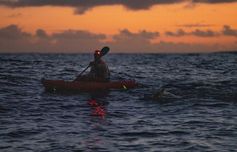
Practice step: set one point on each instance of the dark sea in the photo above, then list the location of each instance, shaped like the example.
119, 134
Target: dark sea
196, 109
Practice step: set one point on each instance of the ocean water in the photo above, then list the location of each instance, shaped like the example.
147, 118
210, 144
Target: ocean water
196, 112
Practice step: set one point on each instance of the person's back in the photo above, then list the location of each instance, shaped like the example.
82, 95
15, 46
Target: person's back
99, 70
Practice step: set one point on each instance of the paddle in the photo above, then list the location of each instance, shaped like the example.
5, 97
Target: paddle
103, 52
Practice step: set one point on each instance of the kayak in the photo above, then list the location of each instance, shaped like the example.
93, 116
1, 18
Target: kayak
79, 86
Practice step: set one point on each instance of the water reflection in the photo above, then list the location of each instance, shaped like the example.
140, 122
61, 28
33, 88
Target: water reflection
98, 103
97, 108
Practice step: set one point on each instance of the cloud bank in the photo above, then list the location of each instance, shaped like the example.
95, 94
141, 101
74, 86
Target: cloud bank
226, 31
213, 1
13, 39
197, 32
83, 5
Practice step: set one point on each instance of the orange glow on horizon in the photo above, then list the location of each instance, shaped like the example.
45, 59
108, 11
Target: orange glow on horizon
101, 20
110, 20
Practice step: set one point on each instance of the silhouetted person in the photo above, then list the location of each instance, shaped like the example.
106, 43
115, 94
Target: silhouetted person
99, 71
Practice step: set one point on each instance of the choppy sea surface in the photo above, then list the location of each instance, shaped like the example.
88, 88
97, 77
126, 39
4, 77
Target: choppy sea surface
196, 112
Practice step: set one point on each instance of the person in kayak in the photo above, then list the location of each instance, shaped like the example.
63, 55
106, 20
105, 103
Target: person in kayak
99, 71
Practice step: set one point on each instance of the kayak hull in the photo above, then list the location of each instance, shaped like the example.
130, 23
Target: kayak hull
79, 86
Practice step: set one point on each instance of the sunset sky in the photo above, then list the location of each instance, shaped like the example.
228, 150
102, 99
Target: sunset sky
123, 25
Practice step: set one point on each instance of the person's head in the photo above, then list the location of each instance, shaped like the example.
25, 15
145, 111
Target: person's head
97, 54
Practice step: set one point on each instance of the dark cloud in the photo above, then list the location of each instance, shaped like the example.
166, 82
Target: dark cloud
13, 39
213, 1
126, 41
228, 31
76, 40
207, 33
171, 47
126, 34
77, 34
135, 42
73, 41
179, 32
195, 25
133, 4
83, 5
41, 33
197, 32
13, 32
137, 45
